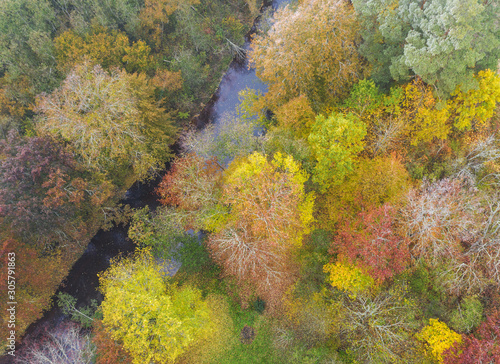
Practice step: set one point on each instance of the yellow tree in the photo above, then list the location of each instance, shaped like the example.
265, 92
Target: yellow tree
155, 321
296, 115
310, 51
438, 338
105, 47
111, 120
476, 106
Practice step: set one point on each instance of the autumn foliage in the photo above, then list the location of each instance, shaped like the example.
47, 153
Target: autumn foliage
193, 186
438, 338
371, 242
310, 51
155, 321
266, 224
44, 194
38, 274
111, 119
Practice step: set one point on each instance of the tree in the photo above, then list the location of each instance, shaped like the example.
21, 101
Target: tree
64, 344
108, 350
378, 327
36, 281
438, 338
468, 315
270, 213
108, 48
408, 114
111, 121
335, 142
438, 217
310, 51
113, 14
479, 264
313, 317
348, 278
372, 243
193, 185
232, 137
476, 106
155, 15
408, 37
373, 183
154, 320
46, 199
26, 48
296, 115
285, 141
279, 209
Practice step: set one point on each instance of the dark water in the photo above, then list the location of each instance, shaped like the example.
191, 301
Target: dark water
82, 280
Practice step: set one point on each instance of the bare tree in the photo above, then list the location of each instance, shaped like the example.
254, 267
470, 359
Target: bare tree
438, 217
379, 327
63, 345
229, 138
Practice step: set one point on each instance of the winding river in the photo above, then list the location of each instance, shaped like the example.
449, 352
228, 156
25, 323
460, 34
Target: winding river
82, 280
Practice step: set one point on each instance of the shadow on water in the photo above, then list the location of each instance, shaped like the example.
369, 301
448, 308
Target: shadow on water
82, 280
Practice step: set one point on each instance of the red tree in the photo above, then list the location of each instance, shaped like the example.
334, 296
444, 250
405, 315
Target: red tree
42, 192
370, 241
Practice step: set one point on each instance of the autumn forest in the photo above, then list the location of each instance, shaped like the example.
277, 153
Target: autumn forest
349, 212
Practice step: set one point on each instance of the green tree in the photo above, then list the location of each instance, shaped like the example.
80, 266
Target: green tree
155, 321
26, 49
442, 41
335, 142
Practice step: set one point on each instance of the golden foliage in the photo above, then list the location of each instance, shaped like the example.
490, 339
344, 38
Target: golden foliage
438, 338
347, 277
310, 51
296, 115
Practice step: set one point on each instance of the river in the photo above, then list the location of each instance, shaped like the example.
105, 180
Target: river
82, 280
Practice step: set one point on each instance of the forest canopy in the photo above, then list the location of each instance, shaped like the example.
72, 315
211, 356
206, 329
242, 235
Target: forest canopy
346, 211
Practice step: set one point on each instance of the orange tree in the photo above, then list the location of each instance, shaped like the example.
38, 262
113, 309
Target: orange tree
310, 51
270, 213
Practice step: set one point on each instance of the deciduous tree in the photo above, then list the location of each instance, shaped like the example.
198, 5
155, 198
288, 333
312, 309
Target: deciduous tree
38, 275
64, 344
481, 347
374, 182
111, 120
438, 338
335, 141
107, 48
26, 48
44, 194
270, 213
474, 107
310, 51
438, 217
371, 242
154, 320
378, 327
193, 185
232, 137
296, 115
